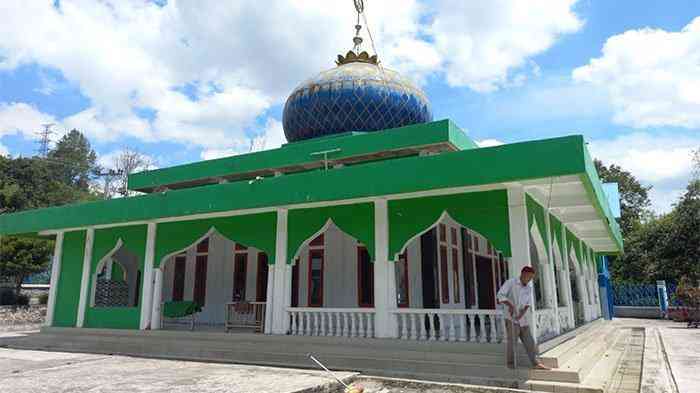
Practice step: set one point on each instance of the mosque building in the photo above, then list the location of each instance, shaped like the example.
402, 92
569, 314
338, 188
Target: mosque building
374, 221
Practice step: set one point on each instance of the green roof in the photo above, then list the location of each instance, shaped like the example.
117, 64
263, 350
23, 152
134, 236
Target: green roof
347, 148
514, 162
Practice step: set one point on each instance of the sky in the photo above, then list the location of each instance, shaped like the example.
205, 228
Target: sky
181, 81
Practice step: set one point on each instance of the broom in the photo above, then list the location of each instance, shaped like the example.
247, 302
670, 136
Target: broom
352, 388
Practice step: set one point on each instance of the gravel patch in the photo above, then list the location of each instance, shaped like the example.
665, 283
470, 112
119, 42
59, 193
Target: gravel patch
21, 318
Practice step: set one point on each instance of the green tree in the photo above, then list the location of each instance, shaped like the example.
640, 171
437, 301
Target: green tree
680, 254
73, 160
634, 197
21, 257
30, 183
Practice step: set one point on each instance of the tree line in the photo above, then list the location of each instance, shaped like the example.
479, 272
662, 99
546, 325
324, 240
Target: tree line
69, 173
657, 246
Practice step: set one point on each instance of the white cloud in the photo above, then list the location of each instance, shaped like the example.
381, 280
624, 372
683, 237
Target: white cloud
651, 158
483, 42
274, 134
652, 76
240, 58
4, 151
272, 137
663, 161
489, 143
23, 119
663, 199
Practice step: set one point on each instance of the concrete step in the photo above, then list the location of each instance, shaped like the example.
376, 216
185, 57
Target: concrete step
560, 354
580, 359
463, 362
599, 376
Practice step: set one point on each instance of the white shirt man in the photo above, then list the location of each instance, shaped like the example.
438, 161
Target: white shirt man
516, 295
519, 295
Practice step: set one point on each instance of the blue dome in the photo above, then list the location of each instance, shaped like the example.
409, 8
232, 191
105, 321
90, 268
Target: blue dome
354, 96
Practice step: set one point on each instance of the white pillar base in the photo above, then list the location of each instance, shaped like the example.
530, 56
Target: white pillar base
147, 301
385, 325
157, 299
282, 282
55, 277
85, 280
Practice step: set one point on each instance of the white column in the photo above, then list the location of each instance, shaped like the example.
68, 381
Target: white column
282, 278
55, 276
384, 275
552, 273
147, 301
569, 290
270, 295
520, 241
157, 298
85, 280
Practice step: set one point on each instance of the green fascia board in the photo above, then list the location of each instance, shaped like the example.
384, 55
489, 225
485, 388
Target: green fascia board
300, 153
484, 166
594, 189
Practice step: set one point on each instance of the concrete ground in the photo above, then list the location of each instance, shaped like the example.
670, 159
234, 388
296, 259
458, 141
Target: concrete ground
679, 350
682, 347
676, 348
36, 371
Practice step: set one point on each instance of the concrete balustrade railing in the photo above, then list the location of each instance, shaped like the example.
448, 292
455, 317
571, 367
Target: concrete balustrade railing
482, 326
335, 322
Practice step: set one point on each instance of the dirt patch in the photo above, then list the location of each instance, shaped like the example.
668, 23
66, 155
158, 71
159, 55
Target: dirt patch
394, 385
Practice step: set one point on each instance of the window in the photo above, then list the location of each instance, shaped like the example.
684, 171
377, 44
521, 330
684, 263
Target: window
455, 275
572, 278
468, 267
240, 271
535, 258
315, 298
179, 277
317, 242
502, 266
261, 284
200, 280
295, 283
401, 268
365, 278
442, 233
445, 284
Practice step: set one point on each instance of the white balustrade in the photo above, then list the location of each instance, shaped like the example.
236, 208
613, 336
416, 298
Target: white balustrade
486, 326
335, 322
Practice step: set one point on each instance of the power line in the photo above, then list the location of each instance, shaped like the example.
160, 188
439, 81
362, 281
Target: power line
44, 139
109, 177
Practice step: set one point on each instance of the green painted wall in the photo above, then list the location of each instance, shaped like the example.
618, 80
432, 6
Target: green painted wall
512, 162
113, 317
484, 212
117, 272
134, 240
253, 230
555, 226
573, 244
68, 294
356, 220
300, 153
535, 212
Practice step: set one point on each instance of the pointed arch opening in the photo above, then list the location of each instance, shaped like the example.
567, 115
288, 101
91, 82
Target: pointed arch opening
539, 260
116, 280
216, 271
332, 268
